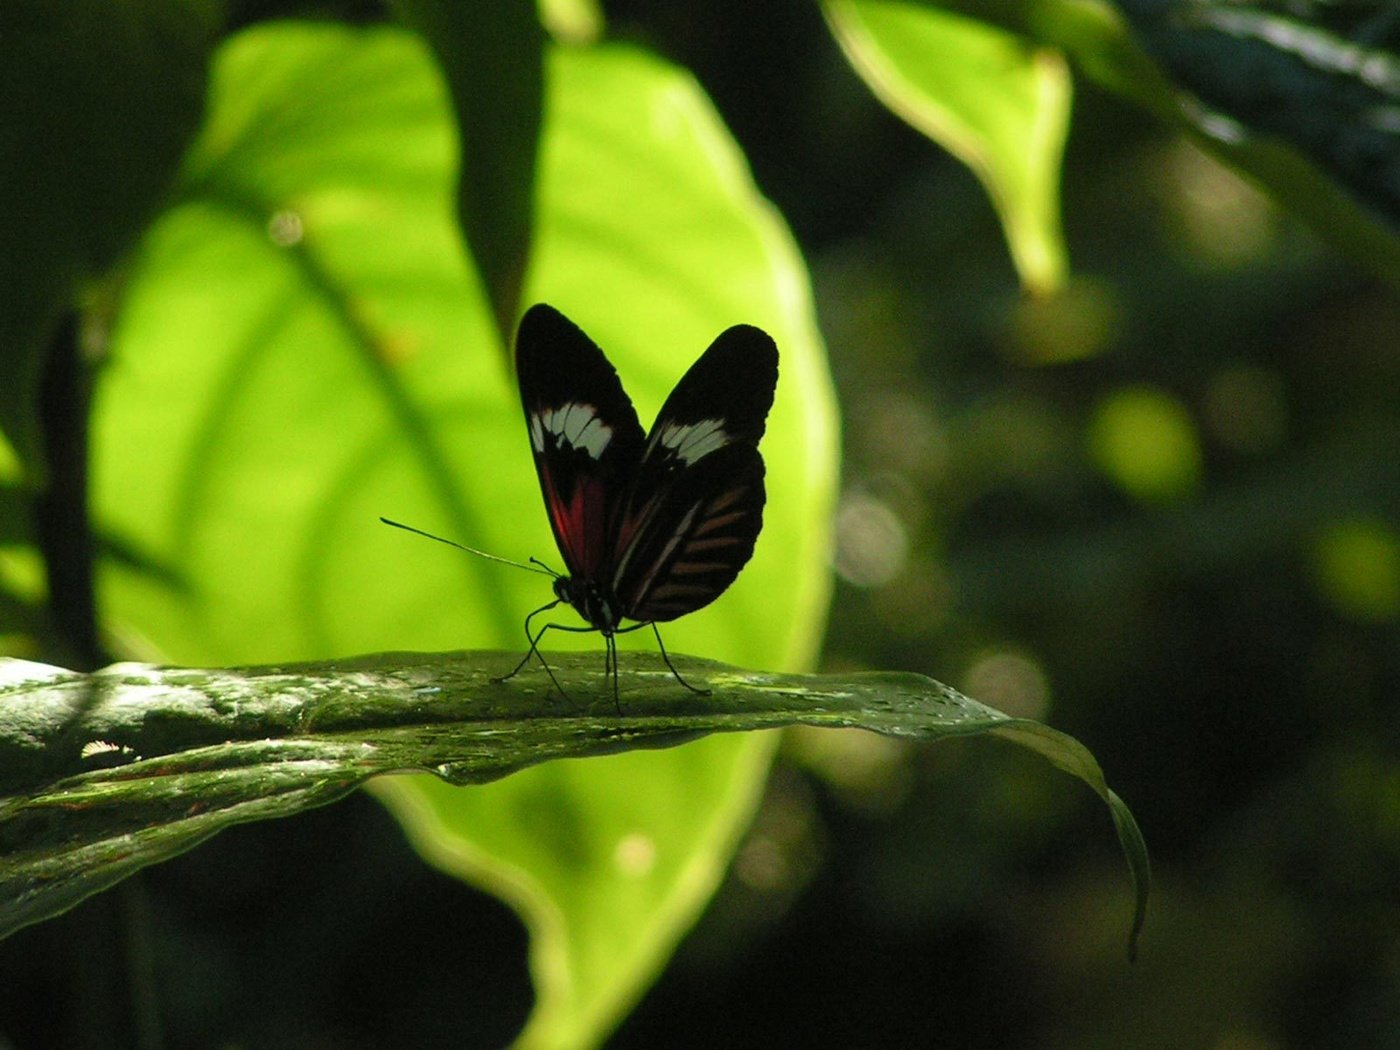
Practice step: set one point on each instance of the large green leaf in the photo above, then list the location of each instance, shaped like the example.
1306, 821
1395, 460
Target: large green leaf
991, 98
105, 773
301, 348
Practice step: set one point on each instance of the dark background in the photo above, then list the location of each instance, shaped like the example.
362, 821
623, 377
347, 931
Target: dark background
960, 895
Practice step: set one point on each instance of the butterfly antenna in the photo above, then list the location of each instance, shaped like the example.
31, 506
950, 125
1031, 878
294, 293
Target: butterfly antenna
536, 566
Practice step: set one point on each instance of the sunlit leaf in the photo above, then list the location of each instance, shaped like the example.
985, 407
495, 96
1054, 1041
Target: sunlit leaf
992, 99
302, 347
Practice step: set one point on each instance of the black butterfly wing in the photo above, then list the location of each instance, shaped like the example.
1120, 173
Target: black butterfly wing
691, 538
584, 434
723, 399
696, 506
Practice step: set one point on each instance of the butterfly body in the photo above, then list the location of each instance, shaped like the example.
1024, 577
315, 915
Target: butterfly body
651, 525
598, 609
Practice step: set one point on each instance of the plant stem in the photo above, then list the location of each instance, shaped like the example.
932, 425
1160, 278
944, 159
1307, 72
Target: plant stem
61, 510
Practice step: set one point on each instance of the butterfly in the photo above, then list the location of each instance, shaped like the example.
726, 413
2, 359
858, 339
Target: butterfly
651, 525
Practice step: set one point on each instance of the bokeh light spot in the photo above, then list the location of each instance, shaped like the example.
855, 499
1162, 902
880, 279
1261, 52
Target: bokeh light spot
1010, 681
871, 542
1080, 321
1145, 441
285, 228
1357, 564
1214, 215
635, 854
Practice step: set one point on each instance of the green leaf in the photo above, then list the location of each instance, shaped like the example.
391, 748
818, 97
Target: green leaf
1280, 70
301, 347
492, 54
1256, 53
101, 100
106, 773
997, 103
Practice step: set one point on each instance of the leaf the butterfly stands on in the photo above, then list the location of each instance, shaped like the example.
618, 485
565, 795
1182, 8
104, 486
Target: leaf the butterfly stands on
651, 525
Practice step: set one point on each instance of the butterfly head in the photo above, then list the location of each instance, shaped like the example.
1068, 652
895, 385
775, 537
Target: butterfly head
590, 600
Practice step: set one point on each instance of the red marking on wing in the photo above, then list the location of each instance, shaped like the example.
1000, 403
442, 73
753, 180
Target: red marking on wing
579, 520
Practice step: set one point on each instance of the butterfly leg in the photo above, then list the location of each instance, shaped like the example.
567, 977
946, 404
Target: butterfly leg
664, 655
660, 645
534, 649
610, 666
609, 660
